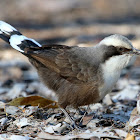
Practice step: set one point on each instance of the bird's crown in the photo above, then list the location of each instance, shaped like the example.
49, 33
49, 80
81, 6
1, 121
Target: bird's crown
117, 40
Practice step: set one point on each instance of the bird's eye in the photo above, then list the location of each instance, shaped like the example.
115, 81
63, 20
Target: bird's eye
121, 49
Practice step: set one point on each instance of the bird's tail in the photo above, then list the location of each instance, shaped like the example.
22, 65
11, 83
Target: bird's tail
12, 36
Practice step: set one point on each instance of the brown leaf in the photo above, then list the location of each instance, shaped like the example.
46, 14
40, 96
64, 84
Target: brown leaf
130, 137
34, 101
86, 119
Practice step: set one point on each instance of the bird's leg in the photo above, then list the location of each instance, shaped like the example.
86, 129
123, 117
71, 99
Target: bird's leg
83, 117
71, 120
85, 113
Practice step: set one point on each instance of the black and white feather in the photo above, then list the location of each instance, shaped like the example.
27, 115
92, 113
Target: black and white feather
18, 41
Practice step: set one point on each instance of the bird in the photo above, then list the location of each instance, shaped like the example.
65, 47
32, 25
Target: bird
78, 75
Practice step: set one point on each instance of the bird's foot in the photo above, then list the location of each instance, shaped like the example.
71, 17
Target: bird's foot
73, 124
78, 127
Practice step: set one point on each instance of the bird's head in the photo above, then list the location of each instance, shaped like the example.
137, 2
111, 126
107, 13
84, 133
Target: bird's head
121, 44
115, 52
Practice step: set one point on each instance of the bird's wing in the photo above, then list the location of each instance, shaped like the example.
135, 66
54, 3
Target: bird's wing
64, 61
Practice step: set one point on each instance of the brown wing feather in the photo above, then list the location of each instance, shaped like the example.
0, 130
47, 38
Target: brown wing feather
63, 61
65, 73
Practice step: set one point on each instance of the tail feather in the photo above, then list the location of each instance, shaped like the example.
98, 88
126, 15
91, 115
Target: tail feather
12, 36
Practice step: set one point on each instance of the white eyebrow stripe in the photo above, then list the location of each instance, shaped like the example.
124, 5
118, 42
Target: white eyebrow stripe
116, 40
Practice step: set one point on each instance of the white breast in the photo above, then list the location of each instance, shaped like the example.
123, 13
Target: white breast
111, 72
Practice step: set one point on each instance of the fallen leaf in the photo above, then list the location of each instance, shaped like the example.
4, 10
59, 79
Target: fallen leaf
18, 137
84, 135
3, 121
44, 135
130, 137
128, 93
134, 121
51, 128
2, 105
34, 101
21, 122
30, 110
87, 119
11, 109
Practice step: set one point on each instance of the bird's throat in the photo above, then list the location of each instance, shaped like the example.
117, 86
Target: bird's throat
111, 71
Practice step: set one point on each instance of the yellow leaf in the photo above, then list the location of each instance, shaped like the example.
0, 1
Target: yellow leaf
34, 101
130, 137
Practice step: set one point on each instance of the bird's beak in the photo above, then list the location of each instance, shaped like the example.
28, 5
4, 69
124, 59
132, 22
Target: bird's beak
135, 51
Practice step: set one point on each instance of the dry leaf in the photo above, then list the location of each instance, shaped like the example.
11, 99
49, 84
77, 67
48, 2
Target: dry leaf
11, 109
53, 128
21, 122
87, 119
2, 105
130, 137
18, 137
34, 101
